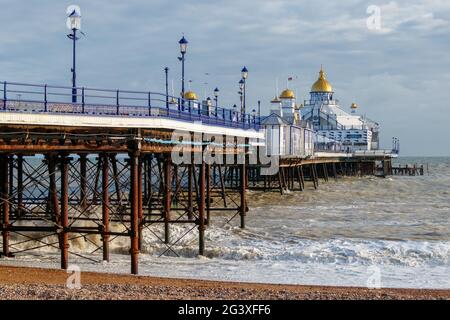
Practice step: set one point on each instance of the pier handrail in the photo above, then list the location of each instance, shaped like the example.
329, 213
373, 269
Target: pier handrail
39, 98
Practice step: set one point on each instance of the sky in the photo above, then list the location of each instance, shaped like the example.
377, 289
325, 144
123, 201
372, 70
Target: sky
390, 57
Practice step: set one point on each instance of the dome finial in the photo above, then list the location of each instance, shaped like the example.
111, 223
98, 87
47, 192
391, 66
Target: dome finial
321, 73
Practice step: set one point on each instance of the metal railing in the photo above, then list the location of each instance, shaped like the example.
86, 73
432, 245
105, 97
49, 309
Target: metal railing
34, 98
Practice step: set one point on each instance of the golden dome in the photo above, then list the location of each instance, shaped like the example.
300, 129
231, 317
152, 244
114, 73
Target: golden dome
354, 106
287, 94
322, 84
190, 95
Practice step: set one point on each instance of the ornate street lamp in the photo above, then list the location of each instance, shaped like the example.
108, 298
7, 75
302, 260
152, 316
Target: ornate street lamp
216, 98
74, 24
166, 72
244, 73
241, 93
183, 48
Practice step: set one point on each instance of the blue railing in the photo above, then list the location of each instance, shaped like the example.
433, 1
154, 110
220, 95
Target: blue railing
33, 98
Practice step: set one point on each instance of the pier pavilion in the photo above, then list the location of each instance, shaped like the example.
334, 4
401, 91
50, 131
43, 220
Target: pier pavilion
349, 130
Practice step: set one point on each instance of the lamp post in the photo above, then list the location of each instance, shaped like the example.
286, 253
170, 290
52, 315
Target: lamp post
241, 92
74, 24
166, 71
183, 48
216, 98
244, 73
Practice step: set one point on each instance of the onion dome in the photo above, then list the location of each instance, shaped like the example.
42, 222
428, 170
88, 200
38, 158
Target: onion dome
287, 94
190, 95
322, 84
354, 106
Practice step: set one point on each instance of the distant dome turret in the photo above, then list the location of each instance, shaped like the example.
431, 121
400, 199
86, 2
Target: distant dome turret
190, 95
287, 94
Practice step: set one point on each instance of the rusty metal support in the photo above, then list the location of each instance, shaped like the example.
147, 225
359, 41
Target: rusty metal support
335, 175
314, 176
222, 186
11, 183
116, 177
148, 160
325, 172
299, 178
53, 190
96, 181
208, 193
140, 204
83, 181
167, 196
20, 206
243, 184
5, 203
201, 207
105, 206
134, 234
190, 204
64, 236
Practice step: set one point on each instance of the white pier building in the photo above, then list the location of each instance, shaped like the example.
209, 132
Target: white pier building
334, 126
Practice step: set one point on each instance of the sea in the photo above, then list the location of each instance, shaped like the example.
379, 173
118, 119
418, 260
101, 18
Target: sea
356, 231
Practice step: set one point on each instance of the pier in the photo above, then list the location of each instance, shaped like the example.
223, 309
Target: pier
104, 167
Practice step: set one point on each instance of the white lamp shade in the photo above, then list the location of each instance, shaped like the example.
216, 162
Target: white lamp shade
74, 21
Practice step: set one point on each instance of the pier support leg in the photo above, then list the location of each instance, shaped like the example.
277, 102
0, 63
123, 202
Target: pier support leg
4, 172
325, 172
11, 183
96, 194
190, 191
222, 186
134, 236
20, 206
208, 193
105, 206
201, 208
140, 204
335, 176
64, 236
53, 192
83, 181
167, 196
302, 177
299, 178
243, 204
148, 160
116, 178
314, 176
280, 182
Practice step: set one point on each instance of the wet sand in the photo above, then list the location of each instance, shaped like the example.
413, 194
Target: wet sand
48, 284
